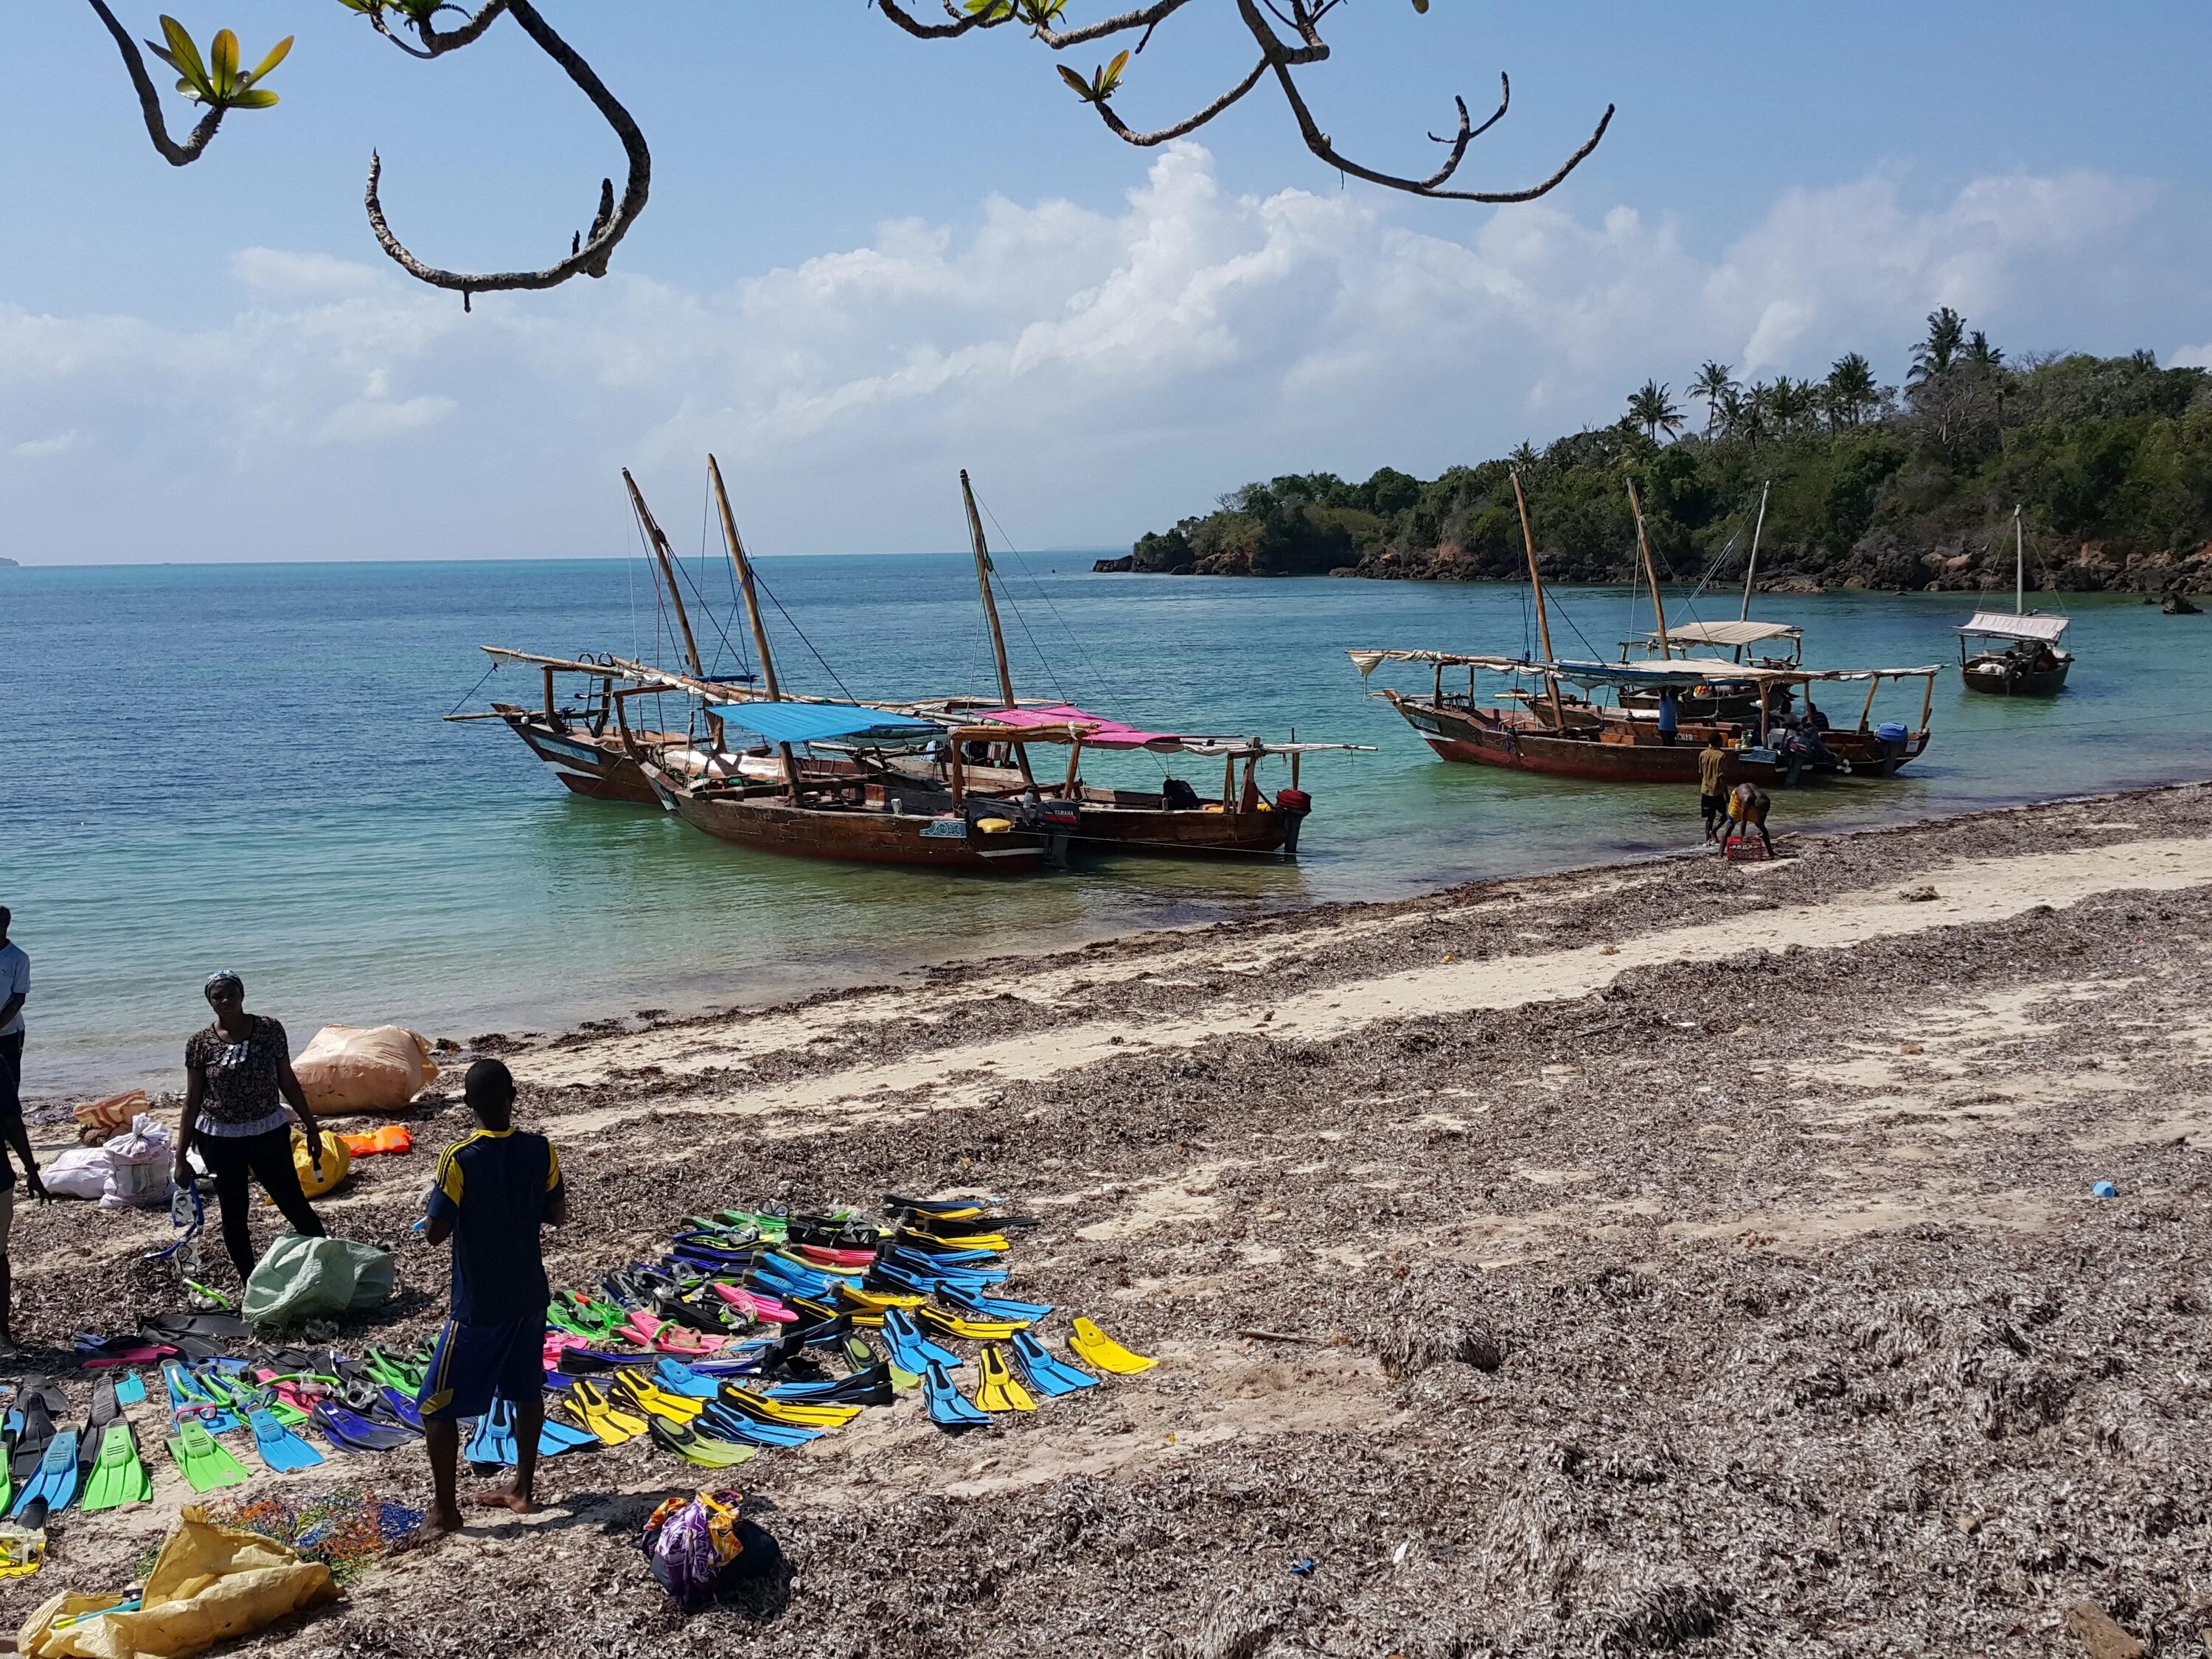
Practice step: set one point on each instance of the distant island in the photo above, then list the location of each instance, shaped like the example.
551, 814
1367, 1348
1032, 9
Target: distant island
9, 564
1871, 487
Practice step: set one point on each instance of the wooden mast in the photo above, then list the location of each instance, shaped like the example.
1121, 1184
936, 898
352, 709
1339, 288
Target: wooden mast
659, 545
745, 569
2019, 566
991, 610
1650, 575
1752, 570
1543, 619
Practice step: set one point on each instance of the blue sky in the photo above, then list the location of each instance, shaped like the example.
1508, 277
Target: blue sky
870, 260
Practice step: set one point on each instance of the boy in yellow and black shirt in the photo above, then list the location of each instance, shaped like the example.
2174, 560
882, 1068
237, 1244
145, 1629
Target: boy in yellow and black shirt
1713, 782
493, 1191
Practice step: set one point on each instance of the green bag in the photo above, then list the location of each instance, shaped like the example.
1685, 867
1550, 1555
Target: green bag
303, 1278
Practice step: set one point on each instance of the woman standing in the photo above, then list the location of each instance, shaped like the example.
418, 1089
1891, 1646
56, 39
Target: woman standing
238, 1077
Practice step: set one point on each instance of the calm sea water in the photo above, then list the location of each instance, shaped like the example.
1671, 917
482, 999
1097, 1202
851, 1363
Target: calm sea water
244, 767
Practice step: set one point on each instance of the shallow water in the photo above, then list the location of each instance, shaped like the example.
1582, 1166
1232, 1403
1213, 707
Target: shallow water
244, 767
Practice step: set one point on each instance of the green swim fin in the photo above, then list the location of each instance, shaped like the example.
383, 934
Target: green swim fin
119, 1477
206, 1465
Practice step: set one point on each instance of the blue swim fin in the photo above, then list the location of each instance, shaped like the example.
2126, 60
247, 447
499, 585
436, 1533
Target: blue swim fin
679, 1378
486, 1444
54, 1484
280, 1449
911, 1350
130, 1389
1047, 1375
948, 1409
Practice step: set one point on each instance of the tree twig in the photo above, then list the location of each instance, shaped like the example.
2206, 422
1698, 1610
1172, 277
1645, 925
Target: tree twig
150, 100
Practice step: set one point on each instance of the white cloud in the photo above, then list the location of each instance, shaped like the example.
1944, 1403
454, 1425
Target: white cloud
1102, 371
38, 449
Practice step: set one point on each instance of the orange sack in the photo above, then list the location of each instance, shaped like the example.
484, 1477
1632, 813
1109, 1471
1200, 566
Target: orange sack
348, 1069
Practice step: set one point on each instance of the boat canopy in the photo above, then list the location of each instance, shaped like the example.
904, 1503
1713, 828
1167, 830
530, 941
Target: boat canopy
2007, 625
817, 722
1729, 635
1102, 733
1672, 670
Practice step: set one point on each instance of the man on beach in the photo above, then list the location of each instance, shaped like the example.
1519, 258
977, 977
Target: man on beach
15, 990
493, 1191
1713, 782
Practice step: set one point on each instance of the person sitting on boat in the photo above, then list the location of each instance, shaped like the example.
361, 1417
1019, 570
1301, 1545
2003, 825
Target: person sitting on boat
1747, 806
1669, 714
1813, 717
1712, 781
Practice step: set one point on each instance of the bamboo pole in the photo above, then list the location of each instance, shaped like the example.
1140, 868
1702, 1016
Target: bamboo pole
659, 545
1752, 570
736, 545
2019, 566
1650, 572
991, 610
1543, 618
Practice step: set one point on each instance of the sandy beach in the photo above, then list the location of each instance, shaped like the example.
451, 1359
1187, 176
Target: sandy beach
1665, 1257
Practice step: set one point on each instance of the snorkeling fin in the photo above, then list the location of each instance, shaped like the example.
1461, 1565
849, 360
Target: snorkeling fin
993, 1307
751, 1431
963, 1325
119, 1476
53, 1483
910, 1350
351, 1431
280, 1449
590, 1407
131, 1390
1103, 1353
947, 1409
995, 1389
1047, 1375
494, 1441
678, 1378
206, 1465
687, 1443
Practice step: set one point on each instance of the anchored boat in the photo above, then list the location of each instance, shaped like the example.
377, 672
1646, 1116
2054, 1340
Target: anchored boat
2030, 663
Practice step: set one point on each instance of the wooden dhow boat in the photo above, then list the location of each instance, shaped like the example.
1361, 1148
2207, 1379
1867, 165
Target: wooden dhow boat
2030, 663
1564, 732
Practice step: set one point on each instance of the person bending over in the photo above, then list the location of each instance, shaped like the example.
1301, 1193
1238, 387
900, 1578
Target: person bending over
238, 1079
1746, 810
15, 990
1713, 782
493, 1191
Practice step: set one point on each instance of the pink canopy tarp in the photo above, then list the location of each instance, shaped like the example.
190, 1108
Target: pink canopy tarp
1104, 733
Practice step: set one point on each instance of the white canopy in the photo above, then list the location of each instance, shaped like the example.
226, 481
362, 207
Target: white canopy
2006, 625
1730, 634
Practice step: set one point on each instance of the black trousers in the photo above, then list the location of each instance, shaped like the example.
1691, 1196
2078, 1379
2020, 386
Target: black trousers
11, 1073
267, 1158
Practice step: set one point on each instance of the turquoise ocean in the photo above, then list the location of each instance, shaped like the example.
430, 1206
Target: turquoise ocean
244, 767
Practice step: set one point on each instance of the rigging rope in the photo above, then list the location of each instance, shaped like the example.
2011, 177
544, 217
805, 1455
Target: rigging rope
473, 689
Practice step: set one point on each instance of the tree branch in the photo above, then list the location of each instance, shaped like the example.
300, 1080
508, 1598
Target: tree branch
1189, 123
588, 253
150, 100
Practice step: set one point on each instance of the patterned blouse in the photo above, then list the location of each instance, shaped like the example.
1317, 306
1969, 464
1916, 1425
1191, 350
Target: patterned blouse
242, 1096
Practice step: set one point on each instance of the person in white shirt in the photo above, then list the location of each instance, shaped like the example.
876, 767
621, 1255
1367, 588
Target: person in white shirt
15, 990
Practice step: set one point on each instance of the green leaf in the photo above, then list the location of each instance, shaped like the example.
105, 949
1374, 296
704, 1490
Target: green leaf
186, 60
1422, 6
277, 54
1082, 87
222, 63
252, 98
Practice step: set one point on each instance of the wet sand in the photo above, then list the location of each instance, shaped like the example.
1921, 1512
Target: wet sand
1666, 1257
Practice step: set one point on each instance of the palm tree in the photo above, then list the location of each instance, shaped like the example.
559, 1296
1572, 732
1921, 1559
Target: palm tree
1743, 413
1650, 408
1934, 357
1851, 389
1523, 458
1712, 387
1788, 402
1980, 353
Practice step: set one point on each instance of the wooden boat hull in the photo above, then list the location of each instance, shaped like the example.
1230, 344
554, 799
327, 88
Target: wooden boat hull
1996, 674
1519, 742
1127, 823
857, 836
591, 766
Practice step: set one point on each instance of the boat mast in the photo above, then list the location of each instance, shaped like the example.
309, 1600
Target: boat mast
2019, 566
1536, 583
659, 545
1752, 570
745, 567
731, 540
1650, 575
990, 607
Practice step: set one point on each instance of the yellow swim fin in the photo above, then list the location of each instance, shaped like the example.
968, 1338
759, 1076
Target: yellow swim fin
997, 1391
1102, 1352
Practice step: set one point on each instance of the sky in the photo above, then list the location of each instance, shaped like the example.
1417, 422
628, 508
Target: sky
870, 261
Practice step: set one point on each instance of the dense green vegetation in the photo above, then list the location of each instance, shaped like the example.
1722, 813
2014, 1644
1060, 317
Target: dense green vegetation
1870, 486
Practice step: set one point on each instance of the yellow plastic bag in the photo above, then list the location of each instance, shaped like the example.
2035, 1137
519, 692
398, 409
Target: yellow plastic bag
348, 1069
210, 1584
337, 1163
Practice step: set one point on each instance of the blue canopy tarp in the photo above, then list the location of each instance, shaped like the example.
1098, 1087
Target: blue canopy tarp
817, 722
